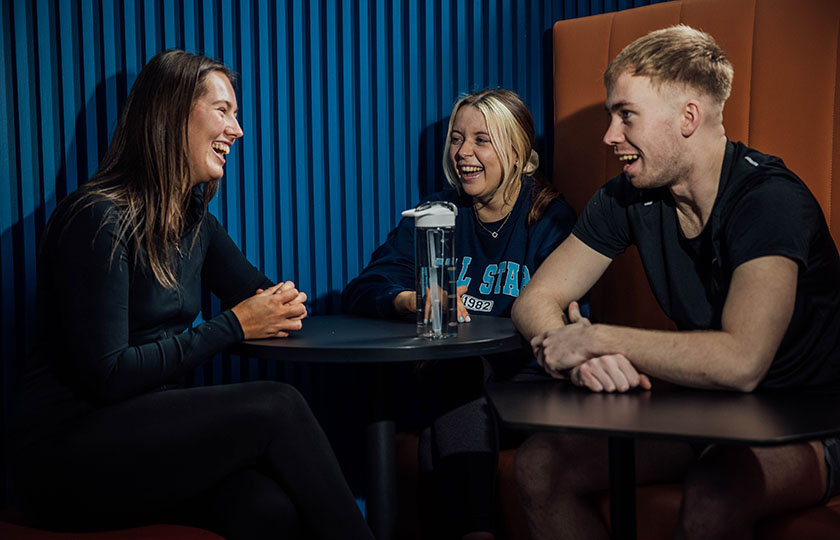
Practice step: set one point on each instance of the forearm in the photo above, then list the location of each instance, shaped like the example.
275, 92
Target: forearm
703, 359
533, 315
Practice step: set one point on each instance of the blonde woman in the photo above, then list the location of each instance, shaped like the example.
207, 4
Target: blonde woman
509, 219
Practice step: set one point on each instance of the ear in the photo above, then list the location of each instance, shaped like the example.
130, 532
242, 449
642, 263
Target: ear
690, 120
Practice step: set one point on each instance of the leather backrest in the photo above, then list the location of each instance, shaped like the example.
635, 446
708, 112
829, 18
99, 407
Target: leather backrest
784, 101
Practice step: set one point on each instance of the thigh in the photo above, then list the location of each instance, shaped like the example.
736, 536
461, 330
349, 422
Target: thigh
582, 461
158, 449
760, 480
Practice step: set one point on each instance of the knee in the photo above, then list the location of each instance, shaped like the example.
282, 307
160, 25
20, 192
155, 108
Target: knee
716, 496
271, 403
537, 466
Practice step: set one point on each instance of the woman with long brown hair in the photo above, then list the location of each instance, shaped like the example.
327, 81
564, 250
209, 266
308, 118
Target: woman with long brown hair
107, 437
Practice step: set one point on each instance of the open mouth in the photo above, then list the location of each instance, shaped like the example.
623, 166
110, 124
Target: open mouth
470, 171
628, 158
221, 149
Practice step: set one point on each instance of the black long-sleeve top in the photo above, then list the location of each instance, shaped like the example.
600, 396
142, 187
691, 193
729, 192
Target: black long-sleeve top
107, 330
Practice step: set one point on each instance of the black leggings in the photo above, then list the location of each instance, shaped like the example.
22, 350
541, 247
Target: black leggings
458, 451
245, 460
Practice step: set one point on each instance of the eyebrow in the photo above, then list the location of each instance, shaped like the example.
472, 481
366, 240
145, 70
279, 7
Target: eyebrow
227, 103
617, 105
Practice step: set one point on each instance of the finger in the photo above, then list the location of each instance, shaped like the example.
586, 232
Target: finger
463, 314
460, 290
627, 369
589, 379
287, 296
557, 374
540, 357
259, 291
300, 316
286, 285
575, 315
281, 334
574, 312
644, 381
614, 378
271, 290
296, 311
575, 376
290, 325
299, 299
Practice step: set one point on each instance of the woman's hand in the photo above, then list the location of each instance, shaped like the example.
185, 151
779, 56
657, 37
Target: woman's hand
463, 314
406, 302
273, 312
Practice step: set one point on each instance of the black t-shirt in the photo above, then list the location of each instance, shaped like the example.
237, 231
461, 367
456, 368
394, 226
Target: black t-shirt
761, 209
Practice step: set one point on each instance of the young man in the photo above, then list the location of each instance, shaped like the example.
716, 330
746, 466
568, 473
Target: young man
738, 254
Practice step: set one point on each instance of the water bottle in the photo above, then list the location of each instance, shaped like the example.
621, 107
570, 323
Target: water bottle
434, 265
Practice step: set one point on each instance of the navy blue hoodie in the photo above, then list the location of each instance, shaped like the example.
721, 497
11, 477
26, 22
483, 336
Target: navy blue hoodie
493, 269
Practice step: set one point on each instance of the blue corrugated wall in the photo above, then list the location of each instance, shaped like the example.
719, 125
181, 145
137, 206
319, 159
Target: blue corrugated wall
343, 104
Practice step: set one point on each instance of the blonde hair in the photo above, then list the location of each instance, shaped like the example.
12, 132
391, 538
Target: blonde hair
678, 54
511, 127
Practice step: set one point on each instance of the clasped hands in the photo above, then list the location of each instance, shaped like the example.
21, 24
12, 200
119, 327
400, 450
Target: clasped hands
272, 312
567, 353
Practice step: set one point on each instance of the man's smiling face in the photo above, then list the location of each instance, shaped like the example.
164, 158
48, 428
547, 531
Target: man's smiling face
644, 130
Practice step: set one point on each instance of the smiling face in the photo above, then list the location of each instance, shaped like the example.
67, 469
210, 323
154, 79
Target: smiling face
475, 160
212, 129
644, 131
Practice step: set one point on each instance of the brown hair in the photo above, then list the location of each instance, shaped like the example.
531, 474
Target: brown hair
677, 54
511, 127
145, 171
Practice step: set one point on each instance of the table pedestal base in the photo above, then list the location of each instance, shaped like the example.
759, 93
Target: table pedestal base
622, 488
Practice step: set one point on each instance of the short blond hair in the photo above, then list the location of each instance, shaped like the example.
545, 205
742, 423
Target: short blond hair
678, 54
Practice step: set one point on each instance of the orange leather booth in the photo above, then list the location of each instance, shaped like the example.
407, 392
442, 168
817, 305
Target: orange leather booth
785, 101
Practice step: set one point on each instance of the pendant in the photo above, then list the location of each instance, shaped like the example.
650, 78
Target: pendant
494, 234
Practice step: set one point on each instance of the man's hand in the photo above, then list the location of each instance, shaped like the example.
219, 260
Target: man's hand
563, 353
609, 373
272, 312
562, 349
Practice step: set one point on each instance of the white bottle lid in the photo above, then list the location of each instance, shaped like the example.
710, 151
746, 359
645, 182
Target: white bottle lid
433, 214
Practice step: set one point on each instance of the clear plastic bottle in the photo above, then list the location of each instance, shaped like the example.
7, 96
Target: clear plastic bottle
435, 268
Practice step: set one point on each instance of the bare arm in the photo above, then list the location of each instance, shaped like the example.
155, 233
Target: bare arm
565, 276
756, 314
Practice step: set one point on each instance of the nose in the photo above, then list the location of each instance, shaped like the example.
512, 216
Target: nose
233, 128
464, 149
614, 134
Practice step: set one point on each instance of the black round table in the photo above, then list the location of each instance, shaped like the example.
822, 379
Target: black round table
347, 339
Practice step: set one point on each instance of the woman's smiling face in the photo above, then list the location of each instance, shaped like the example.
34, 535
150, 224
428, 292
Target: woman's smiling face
212, 129
473, 156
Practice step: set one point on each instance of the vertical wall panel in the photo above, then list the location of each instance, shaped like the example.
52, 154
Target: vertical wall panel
343, 102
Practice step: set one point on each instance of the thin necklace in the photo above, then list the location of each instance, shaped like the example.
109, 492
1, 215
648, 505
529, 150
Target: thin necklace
494, 234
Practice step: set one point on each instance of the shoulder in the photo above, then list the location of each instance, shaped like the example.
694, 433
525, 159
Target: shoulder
761, 179
82, 213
